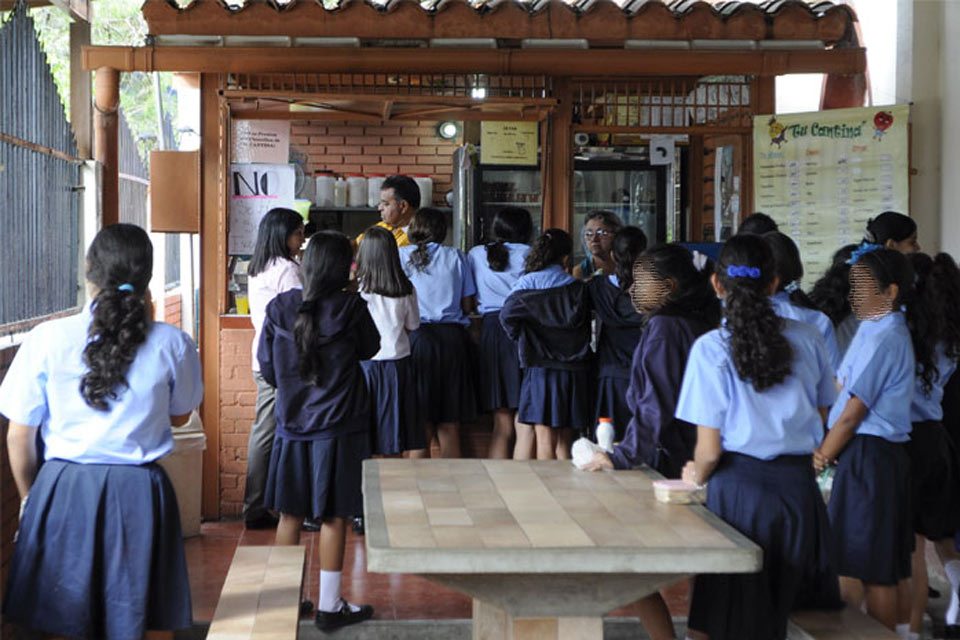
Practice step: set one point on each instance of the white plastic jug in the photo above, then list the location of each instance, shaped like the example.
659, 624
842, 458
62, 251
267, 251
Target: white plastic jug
356, 190
425, 183
605, 434
374, 182
340, 192
324, 181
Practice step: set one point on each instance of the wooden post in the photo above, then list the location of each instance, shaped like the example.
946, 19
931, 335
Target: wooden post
212, 284
558, 208
80, 98
106, 138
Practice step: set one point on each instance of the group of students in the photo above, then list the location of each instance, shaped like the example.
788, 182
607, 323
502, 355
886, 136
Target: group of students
724, 374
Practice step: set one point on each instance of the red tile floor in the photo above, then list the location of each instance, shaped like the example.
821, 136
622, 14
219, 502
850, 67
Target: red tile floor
394, 596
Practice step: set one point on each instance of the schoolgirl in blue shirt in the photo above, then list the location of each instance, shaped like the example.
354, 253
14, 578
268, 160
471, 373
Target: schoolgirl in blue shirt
99, 552
893, 230
790, 301
831, 294
618, 329
548, 315
310, 349
392, 302
496, 266
758, 388
869, 425
441, 348
935, 475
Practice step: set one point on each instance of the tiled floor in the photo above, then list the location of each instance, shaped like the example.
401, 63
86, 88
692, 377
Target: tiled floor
394, 596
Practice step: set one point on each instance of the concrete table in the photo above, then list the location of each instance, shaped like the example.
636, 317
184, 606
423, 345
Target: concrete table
543, 549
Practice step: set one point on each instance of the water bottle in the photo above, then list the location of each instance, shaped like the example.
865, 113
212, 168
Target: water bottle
605, 433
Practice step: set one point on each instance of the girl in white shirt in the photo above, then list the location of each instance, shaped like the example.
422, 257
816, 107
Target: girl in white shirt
392, 301
273, 269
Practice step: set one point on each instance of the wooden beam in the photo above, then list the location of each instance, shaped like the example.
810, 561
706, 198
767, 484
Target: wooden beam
213, 238
78, 10
503, 116
106, 140
591, 62
558, 207
386, 94
80, 97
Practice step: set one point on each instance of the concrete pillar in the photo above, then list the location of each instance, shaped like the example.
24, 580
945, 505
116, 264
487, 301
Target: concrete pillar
948, 130
106, 139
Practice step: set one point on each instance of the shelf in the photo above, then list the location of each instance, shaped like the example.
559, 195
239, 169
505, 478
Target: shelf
357, 209
510, 204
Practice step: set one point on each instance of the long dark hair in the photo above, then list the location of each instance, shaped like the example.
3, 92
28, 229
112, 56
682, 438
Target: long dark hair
511, 224
326, 270
627, 246
119, 264
551, 247
760, 352
692, 297
889, 225
831, 293
272, 235
786, 257
428, 225
378, 265
892, 267
943, 285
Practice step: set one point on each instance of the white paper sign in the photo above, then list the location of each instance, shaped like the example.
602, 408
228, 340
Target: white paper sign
254, 190
265, 141
661, 150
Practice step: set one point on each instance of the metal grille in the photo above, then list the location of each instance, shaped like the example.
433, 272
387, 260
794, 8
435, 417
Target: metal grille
39, 205
714, 103
402, 84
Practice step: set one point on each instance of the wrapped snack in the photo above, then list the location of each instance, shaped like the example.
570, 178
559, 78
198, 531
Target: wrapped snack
582, 452
678, 492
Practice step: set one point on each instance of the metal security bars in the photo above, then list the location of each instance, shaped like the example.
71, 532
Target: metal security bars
39, 178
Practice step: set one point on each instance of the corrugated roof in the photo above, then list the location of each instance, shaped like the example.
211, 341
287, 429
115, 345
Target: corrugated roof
597, 21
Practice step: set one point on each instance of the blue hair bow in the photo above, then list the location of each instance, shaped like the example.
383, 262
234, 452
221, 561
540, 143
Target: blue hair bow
864, 248
792, 286
738, 271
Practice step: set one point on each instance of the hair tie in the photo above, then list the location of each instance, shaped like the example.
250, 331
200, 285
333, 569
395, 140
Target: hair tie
744, 271
699, 260
868, 235
126, 286
792, 286
864, 248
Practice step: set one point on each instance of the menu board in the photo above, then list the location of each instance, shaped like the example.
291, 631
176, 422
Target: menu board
822, 175
508, 143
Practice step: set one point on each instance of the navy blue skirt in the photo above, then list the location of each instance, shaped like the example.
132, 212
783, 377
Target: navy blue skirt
443, 363
99, 554
612, 403
317, 478
935, 480
499, 366
397, 425
870, 511
777, 505
558, 398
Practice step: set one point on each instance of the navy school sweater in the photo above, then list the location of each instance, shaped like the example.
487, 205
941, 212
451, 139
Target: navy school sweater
551, 326
619, 327
339, 402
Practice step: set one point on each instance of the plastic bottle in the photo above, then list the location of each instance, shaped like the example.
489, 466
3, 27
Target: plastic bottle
340, 192
356, 190
325, 181
425, 182
374, 180
605, 433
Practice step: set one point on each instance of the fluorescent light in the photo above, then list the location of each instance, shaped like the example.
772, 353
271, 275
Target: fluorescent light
478, 93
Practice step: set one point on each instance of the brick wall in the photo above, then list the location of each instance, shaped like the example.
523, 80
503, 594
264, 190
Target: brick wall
9, 499
171, 308
238, 396
401, 147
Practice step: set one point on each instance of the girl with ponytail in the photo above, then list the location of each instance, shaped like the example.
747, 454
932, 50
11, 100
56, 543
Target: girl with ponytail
869, 426
310, 349
757, 389
790, 301
104, 387
548, 316
496, 266
441, 348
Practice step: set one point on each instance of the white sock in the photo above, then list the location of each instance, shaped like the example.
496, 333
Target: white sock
330, 600
903, 630
952, 569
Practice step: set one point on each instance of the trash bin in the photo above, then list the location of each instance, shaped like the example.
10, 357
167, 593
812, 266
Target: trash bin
184, 467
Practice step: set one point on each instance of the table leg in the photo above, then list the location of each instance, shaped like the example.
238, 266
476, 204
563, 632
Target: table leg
493, 623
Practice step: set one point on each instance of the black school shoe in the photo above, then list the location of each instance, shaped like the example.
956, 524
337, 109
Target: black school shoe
358, 525
329, 621
266, 521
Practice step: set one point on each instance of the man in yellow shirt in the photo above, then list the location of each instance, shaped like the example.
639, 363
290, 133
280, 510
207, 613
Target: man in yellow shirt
399, 200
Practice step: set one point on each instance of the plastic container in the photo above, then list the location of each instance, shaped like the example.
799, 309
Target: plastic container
303, 208
356, 190
325, 181
677, 492
340, 192
605, 434
184, 467
425, 182
374, 181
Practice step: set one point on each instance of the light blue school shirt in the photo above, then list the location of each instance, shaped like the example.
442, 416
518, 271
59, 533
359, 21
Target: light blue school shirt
548, 278
42, 389
878, 368
493, 287
445, 281
928, 405
781, 420
782, 306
